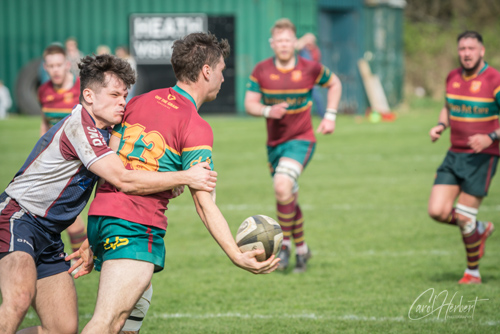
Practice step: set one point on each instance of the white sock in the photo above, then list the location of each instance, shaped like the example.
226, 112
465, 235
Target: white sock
287, 243
473, 272
302, 249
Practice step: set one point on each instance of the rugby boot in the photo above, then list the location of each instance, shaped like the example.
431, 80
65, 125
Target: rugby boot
284, 255
469, 279
487, 232
301, 263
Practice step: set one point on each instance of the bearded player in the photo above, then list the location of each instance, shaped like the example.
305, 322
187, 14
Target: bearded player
471, 112
280, 91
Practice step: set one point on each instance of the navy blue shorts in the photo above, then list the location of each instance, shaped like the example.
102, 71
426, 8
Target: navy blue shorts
19, 231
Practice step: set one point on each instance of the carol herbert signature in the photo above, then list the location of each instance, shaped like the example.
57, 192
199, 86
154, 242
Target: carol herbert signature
429, 303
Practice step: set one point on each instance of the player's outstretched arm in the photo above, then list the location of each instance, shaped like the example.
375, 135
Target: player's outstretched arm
218, 228
333, 96
254, 107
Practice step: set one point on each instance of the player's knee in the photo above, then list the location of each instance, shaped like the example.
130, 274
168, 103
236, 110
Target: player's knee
438, 215
282, 190
20, 300
286, 179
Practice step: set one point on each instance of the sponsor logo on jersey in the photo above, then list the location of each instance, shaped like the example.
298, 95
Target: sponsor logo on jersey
84, 182
166, 102
456, 85
273, 76
95, 136
475, 86
197, 161
116, 243
50, 98
297, 75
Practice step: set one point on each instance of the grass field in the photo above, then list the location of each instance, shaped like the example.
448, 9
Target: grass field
375, 251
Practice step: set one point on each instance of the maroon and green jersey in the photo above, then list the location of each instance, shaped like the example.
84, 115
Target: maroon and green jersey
57, 104
293, 87
160, 131
474, 104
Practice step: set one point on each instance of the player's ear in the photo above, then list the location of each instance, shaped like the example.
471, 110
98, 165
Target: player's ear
88, 95
206, 70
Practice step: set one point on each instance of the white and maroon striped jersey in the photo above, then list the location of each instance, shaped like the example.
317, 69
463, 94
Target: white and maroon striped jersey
54, 184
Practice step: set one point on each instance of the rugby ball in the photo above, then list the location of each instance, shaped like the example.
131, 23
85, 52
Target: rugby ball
260, 232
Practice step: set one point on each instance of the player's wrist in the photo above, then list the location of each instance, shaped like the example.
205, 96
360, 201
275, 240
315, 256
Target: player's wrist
493, 135
330, 114
443, 125
265, 111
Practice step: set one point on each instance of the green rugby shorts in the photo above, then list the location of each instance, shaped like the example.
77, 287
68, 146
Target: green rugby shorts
298, 150
473, 172
114, 238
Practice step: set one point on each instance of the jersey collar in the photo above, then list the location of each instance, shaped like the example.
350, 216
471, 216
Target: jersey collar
475, 75
185, 94
285, 71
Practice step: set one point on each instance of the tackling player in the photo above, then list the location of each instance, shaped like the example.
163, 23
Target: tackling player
52, 188
58, 96
161, 130
471, 112
280, 91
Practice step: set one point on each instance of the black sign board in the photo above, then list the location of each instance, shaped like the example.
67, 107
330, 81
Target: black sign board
155, 75
152, 35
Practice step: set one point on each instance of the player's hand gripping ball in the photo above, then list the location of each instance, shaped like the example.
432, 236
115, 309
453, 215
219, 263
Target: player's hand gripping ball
260, 232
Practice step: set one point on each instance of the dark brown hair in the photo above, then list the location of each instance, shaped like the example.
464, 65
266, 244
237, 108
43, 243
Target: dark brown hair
54, 49
470, 34
193, 51
93, 69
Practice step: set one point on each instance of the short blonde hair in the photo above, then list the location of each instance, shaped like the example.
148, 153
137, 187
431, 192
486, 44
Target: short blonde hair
284, 23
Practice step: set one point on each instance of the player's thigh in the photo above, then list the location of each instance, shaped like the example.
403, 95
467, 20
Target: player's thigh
56, 303
121, 284
17, 278
442, 198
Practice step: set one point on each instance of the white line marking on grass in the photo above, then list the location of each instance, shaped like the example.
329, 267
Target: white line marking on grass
309, 316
